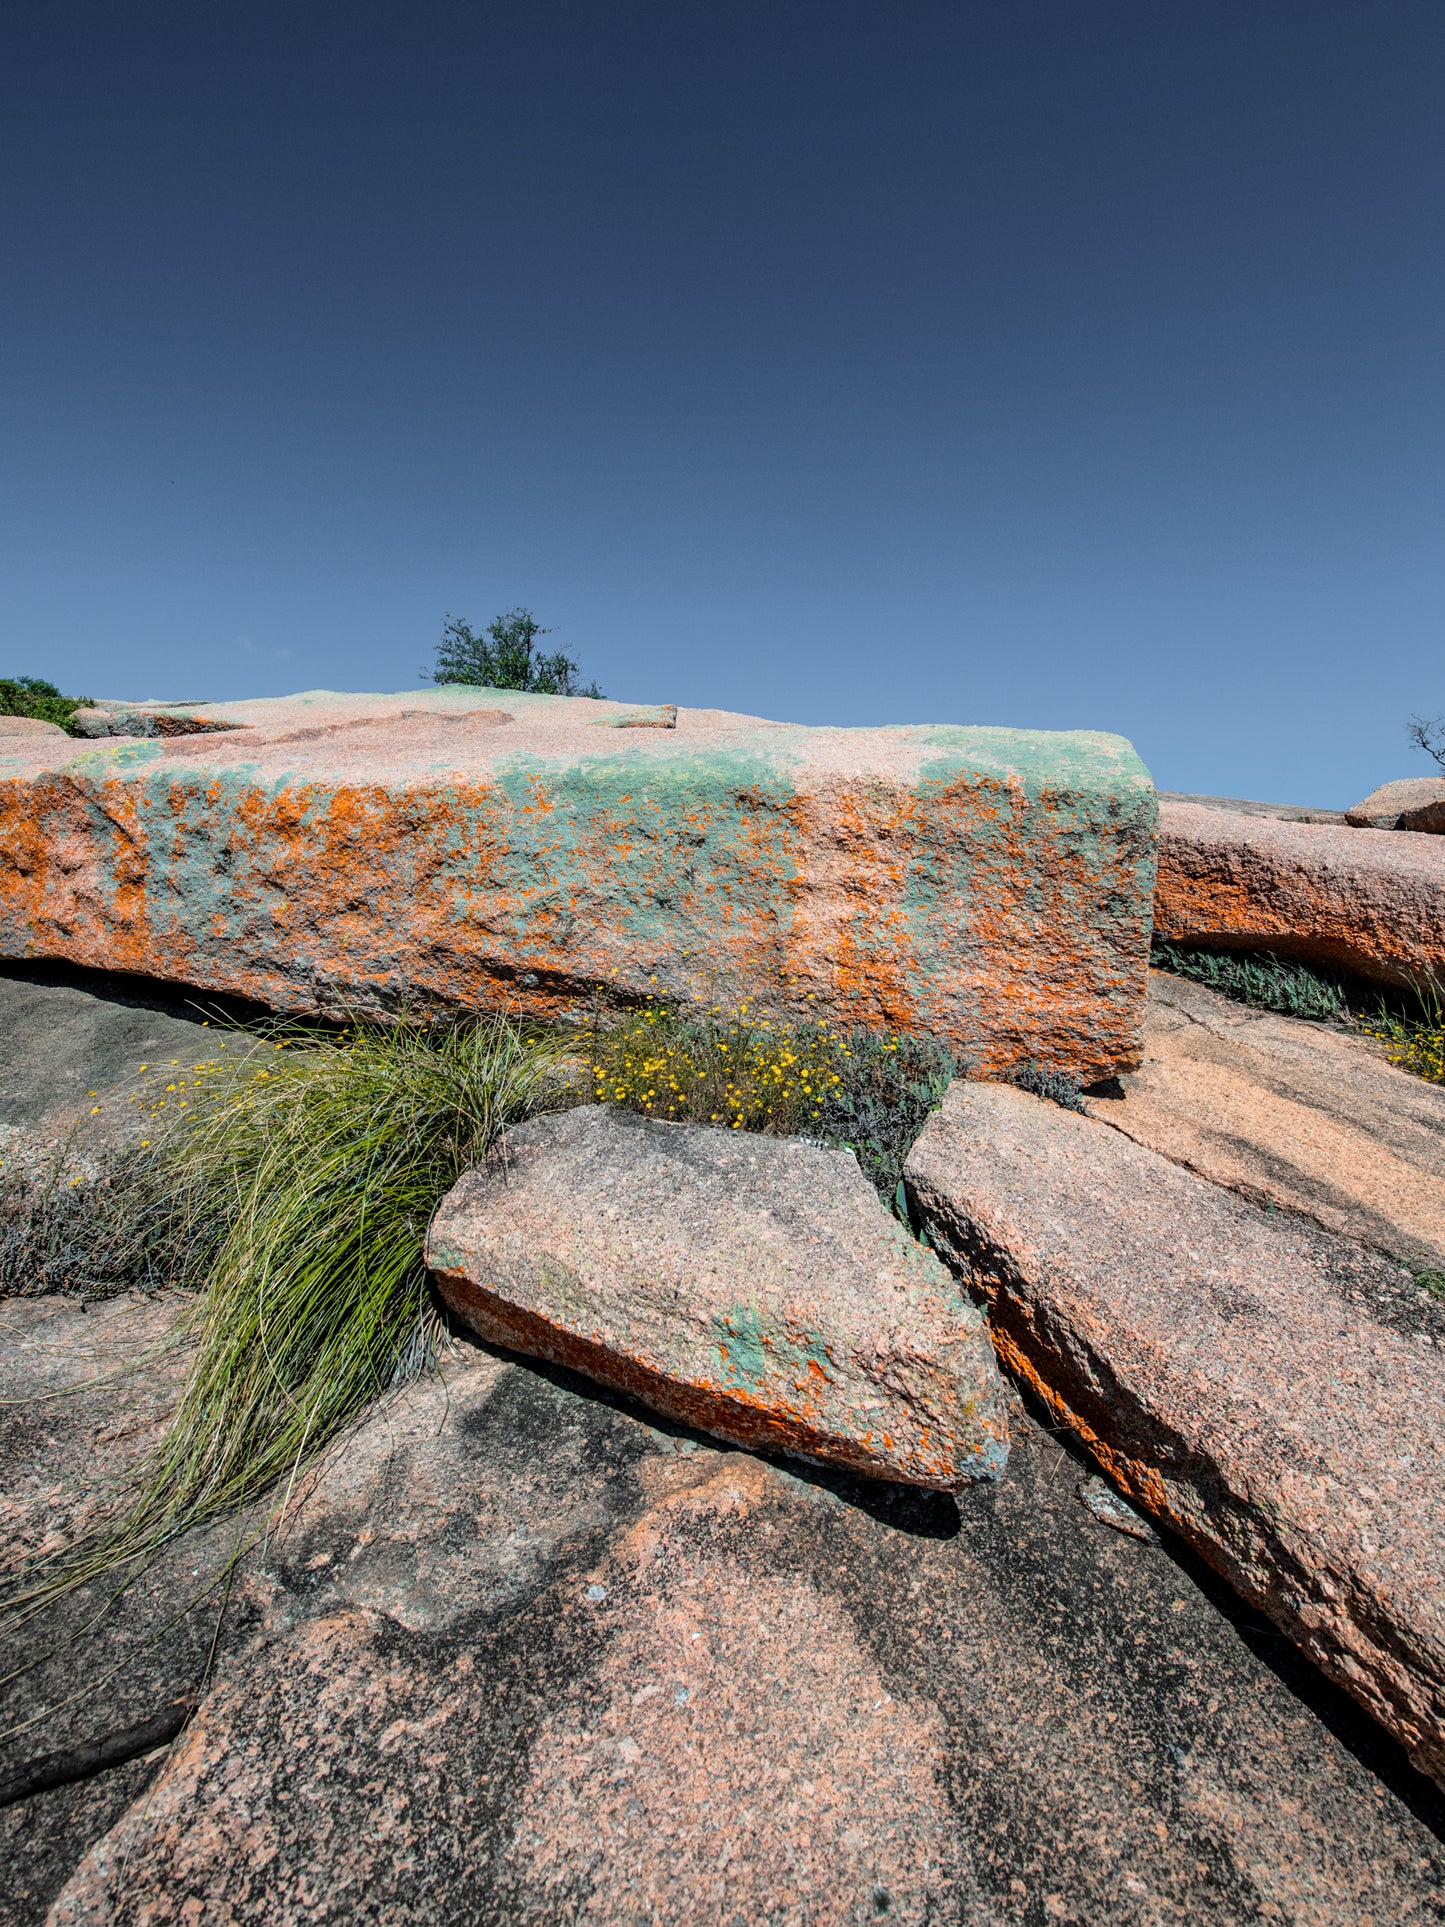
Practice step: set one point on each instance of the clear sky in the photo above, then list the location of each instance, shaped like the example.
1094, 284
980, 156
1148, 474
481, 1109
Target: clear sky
1077, 364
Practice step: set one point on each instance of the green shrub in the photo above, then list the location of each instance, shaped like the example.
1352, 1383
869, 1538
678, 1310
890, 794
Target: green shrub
1257, 978
297, 1187
33, 696
504, 656
747, 1070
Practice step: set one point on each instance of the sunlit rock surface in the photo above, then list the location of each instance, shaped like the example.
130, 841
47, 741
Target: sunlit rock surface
464, 848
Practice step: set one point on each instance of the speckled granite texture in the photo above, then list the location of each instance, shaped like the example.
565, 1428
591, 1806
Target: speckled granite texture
468, 848
1368, 901
751, 1286
524, 1655
1275, 1394
1289, 1113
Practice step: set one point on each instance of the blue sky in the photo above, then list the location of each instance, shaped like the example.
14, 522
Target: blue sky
1066, 365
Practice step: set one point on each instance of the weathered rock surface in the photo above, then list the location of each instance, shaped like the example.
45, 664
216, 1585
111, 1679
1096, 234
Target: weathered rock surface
30, 726
752, 1287
1428, 819
1264, 1388
1289, 1113
469, 848
524, 1656
1246, 806
1383, 808
1367, 901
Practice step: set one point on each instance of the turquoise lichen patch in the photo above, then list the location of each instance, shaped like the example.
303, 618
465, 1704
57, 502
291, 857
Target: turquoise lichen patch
752, 1350
106, 759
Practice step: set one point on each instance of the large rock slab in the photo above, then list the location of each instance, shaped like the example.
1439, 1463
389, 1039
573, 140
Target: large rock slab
1367, 901
463, 848
1273, 1393
753, 1287
521, 1655
1386, 807
1289, 1113
1247, 806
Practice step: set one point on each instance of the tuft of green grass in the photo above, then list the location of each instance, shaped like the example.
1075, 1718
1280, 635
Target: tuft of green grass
745, 1069
33, 696
1257, 978
299, 1187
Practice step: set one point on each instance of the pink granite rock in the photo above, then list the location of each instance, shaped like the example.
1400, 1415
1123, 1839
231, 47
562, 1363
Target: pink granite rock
1368, 901
753, 1287
1297, 1114
1428, 818
1383, 808
1273, 1393
459, 849
30, 726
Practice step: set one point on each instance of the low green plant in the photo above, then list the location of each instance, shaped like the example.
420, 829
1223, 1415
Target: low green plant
1413, 1038
745, 1069
299, 1185
33, 696
1053, 1085
505, 656
1258, 978
1429, 1277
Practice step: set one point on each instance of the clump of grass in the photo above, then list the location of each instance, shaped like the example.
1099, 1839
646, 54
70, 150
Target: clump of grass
299, 1186
1257, 978
1429, 1277
744, 1069
89, 1226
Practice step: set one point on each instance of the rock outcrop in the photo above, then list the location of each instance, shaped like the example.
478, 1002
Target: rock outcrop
1367, 901
1271, 1392
1388, 806
459, 848
519, 1654
1289, 1113
753, 1287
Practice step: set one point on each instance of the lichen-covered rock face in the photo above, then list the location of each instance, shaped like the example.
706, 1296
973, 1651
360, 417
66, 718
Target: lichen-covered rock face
462, 848
753, 1287
1368, 901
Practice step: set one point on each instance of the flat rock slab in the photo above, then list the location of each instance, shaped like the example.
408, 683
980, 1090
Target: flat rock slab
1261, 1386
1247, 806
1289, 1113
753, 1287
522, 1656
1367, 901
455, 848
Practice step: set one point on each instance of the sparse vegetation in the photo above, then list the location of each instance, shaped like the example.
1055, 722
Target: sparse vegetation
1413, 1039
1428, 733
1053, 1085
33, 696
293, 1187
1258, 978
1411, 1026
745, 1069
505, 656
